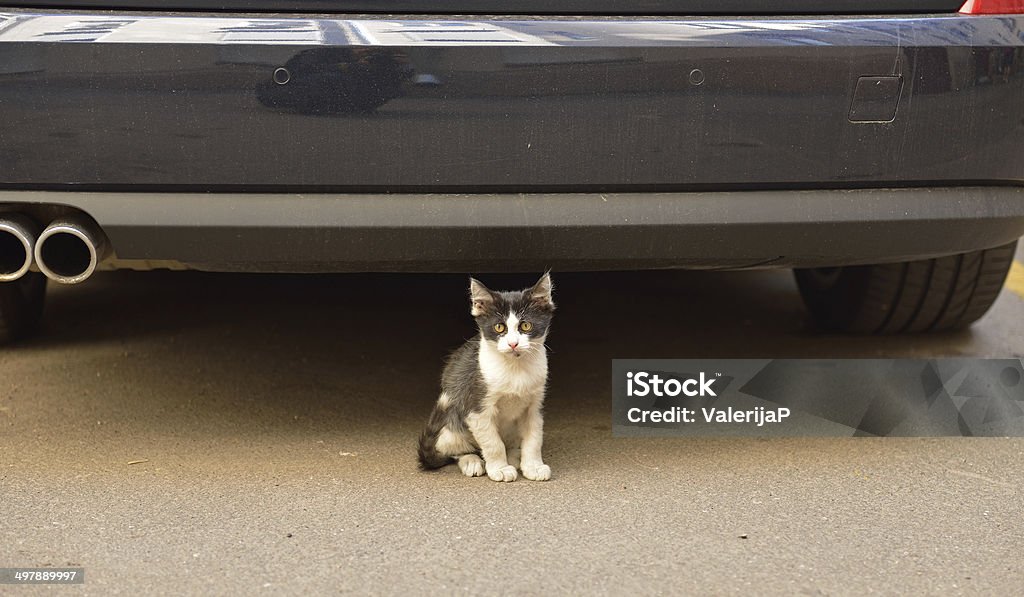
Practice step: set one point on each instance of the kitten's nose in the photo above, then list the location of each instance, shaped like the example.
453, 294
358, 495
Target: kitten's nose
513, 345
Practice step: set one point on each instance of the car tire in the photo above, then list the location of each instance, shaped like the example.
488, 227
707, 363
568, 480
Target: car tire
929, 295
21, 306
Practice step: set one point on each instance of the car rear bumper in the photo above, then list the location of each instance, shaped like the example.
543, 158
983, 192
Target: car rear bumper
328, 143
132, 101
524, 232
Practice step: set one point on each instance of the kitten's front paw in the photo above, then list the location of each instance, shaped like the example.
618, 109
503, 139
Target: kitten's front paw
471, 465
537, 472
505, 474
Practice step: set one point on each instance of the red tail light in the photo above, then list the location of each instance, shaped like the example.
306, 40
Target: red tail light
992, 7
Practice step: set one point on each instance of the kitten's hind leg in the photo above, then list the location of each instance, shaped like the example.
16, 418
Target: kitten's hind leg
471, 465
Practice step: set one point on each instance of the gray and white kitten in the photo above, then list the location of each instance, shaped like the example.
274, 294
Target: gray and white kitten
488, 418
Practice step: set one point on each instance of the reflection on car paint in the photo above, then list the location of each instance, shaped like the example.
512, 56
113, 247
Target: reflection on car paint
336, 81
736, 32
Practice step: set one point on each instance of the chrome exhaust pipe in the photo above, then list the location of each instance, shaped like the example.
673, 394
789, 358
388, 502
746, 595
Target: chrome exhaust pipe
17, 245
69, 249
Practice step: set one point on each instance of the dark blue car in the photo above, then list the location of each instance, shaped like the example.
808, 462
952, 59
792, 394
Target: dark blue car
875, 146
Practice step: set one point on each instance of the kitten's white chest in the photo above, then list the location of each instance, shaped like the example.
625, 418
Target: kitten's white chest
513, 383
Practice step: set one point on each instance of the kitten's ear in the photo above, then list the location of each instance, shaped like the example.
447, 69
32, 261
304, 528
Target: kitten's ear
541, 291
481, 298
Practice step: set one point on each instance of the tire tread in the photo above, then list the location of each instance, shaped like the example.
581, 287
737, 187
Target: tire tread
929, 295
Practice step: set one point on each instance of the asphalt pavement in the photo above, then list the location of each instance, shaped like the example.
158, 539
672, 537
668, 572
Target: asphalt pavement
191, 433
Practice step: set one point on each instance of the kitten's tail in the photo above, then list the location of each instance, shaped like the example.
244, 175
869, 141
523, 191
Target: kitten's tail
430, 458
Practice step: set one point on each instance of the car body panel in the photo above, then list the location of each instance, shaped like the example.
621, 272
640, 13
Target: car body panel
174, 102
338, 143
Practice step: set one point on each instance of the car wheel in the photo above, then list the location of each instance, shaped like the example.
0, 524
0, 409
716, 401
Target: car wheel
21, 306
929, 295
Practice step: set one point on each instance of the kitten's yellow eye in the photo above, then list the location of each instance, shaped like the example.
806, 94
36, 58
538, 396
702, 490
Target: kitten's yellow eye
525, 326
500, 328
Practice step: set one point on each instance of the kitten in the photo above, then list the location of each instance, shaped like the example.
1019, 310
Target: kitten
488, 417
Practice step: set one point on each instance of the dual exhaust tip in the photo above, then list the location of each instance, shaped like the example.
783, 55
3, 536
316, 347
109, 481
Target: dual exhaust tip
67, 251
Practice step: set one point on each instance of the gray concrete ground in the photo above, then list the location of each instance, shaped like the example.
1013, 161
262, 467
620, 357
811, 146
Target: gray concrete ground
192, 433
